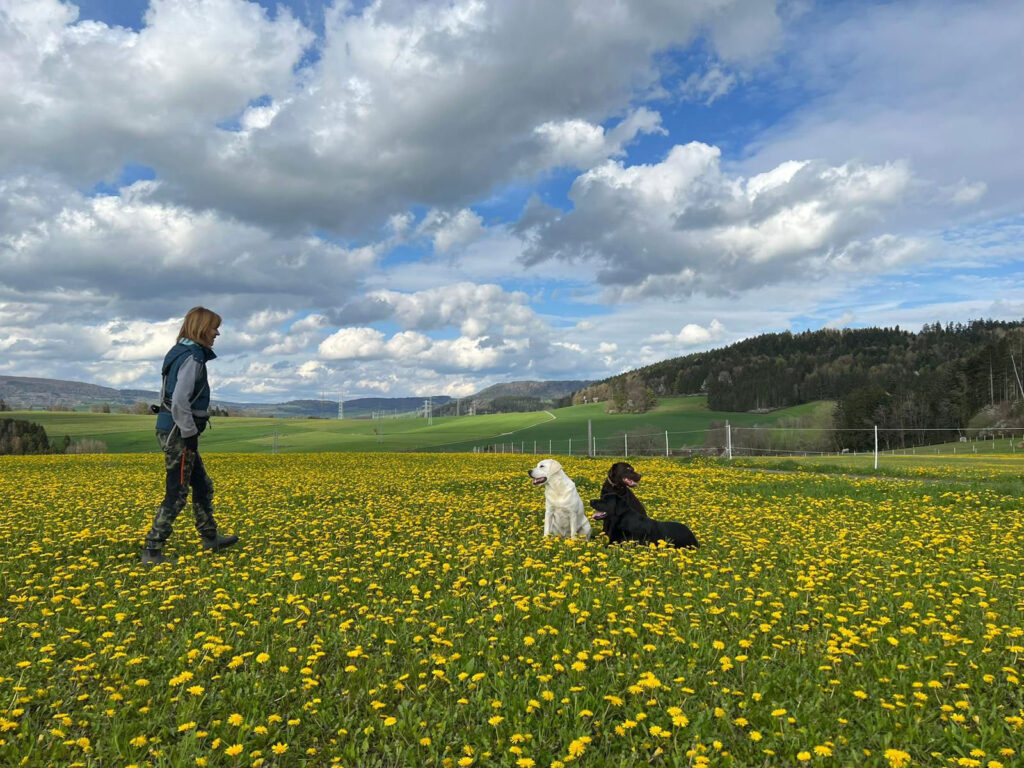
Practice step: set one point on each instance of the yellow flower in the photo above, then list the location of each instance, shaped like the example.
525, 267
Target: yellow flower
897, 758
803, 756
233, 750
822, 750
495, 720
279, 748
196, 690
262, 658
235, 719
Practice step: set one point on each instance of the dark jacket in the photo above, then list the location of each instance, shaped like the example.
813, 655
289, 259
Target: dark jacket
185, 398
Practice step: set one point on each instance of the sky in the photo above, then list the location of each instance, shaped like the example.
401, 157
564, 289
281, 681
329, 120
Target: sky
410, 197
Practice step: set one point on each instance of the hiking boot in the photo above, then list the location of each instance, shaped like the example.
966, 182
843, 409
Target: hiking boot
218, 542
154, 557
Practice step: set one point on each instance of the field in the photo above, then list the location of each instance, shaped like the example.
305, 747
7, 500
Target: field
686, 418
403, 610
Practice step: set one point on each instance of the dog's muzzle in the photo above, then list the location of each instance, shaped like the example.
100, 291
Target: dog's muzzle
538, 480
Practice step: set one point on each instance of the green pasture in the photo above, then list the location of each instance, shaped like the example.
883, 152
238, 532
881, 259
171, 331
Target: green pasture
686, 419
135, 434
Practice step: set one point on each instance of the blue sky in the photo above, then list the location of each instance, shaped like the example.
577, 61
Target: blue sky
417, 197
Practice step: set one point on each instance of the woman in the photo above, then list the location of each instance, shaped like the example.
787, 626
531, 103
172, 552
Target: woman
182, 416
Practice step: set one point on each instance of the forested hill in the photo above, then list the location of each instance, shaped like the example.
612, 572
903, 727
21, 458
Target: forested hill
938, 377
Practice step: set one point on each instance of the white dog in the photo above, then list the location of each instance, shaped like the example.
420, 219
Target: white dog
563, 507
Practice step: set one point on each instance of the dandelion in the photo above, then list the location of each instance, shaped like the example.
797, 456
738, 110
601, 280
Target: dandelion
234, 750
279, 748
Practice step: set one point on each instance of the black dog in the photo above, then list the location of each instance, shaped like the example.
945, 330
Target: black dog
621, 481
621, 523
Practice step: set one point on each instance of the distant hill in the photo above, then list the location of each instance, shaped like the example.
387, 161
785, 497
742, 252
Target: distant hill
28, 393
515, 397
544, 390
25, 393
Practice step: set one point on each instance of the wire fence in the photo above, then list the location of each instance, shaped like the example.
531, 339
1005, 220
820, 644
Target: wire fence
731, 441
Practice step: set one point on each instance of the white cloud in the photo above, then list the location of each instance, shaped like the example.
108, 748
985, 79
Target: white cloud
352, 343
90, 98
708, 86
691, 335
477, 310
579, 144
933, 84
211, 94
683, 225
96, 256
451, 230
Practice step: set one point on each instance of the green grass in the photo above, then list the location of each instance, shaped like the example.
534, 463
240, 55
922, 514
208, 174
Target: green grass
135, 434
685, 418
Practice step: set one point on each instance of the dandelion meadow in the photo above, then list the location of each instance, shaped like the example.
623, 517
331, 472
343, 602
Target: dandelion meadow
404, 610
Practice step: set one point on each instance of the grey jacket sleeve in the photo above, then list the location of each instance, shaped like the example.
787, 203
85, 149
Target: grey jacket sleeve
181, 408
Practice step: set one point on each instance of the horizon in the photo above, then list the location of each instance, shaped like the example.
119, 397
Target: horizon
397, 199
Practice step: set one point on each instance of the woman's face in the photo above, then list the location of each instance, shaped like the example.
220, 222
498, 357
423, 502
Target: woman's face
210, 337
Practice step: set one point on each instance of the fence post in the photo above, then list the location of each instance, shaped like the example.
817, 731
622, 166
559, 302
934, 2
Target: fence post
728, 441
549, 445
534, 447
666, 442
590, 438
625, 443
570, 446
876, 446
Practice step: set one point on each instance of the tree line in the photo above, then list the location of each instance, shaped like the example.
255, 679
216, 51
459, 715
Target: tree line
940, 378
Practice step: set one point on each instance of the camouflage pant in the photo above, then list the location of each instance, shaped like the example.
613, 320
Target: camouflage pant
184, 469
